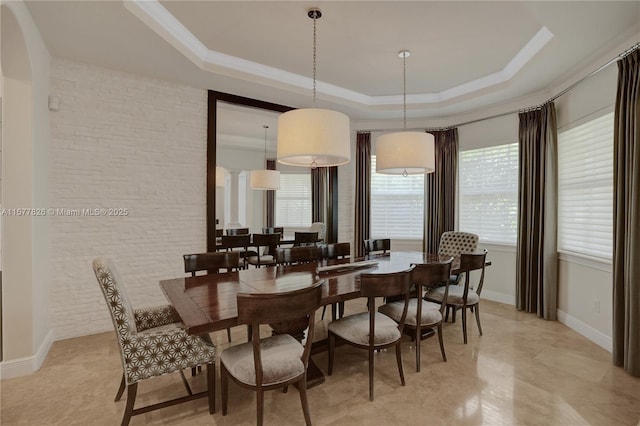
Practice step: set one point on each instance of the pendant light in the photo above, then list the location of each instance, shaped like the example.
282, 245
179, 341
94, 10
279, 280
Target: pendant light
265, 179
405, 153
314, 137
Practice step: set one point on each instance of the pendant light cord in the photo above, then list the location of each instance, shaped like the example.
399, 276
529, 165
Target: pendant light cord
404, 91
265, 144
315, 19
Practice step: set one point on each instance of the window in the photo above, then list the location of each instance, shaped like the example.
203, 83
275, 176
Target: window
585, 188
488, 200
293, 200
397, 205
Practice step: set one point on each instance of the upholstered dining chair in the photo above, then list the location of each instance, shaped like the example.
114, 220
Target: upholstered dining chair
152, 343
372, 330
335, 251
212, 263
276, 361
454, 243
378, 247
305, 238
239, 244
293, 255
422, 314
320, 228
265, 245
461, 297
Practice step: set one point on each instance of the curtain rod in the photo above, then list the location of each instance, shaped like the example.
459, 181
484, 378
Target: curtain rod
551, 99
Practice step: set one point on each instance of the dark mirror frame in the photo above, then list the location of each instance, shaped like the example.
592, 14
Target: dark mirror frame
212, 116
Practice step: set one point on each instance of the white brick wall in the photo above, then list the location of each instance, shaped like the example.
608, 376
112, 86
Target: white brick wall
122, 141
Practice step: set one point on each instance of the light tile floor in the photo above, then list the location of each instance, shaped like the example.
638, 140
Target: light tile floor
523, 371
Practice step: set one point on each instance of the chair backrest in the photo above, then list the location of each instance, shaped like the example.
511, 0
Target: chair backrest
116, 297
271, 308
304, 254
336, 251
320, 228
274, 230
235, 241
305, 238
429, 275
270, 241
238, 231
472, 262
375, 246
453, 243
211, 262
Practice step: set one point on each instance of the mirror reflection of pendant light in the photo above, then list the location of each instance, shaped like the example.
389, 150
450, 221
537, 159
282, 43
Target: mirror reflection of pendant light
405, 153
313, 137
221, 174
265, 179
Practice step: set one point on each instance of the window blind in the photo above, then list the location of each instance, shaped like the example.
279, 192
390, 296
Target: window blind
585, 188
397, 205
488, 193
293, 200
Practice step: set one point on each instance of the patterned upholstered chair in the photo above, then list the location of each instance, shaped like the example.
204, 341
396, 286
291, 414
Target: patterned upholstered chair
425, 276
276, 361
453, 243
152, 343
373, 330
461, 297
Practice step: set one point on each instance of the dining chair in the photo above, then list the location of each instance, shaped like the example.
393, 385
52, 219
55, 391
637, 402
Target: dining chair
274, 230
212, 263
335, 251
372, 330
320, 228
152, 343
430, 314
265, 245
219, 232
238, 231
276, 361
377, 247
305, 239
239, 243
294, 255
461, 297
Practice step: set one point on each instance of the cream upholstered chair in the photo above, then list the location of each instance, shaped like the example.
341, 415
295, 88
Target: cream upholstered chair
320, 228
276, 361
463, 296
152, 343
425, 276
373, 330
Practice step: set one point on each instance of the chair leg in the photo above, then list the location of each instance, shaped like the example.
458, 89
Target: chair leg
285, 389
453, 315
418, 338
303, 399
260, 406
224, 388
120, 389
324, 310
446, 314
371, 358
211, 387
399, 359
229, 334
464, 324
131, 399
440, 339
477, 312
194, 371
332, 344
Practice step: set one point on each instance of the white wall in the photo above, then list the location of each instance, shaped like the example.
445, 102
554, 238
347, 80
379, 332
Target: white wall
122, 141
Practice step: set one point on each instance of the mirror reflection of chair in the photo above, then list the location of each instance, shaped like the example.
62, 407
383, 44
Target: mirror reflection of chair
461, 297
305, 239
294, 255
320, 228
274, 230
219, 232
140, 333
424, 277
372, 330
377, 247
240, 244
276, 361
265, 245
238, 231
212, 263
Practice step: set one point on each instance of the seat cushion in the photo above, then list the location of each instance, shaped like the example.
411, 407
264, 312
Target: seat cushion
430, 312
281, 360
355, 329
265, 259
455, 295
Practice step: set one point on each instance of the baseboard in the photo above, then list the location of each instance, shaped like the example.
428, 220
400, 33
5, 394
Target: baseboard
596, 336
26, 365
499, 297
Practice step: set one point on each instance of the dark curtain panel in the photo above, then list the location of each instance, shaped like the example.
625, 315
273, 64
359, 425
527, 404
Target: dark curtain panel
324, 202
626, 216
363, 192
537, 255
440, 190
271, 199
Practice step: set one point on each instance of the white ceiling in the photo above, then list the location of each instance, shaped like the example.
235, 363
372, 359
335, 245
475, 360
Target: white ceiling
465, 55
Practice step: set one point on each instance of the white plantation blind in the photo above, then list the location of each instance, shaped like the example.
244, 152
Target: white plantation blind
293, 200
397, 205
585, 188
488, 200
